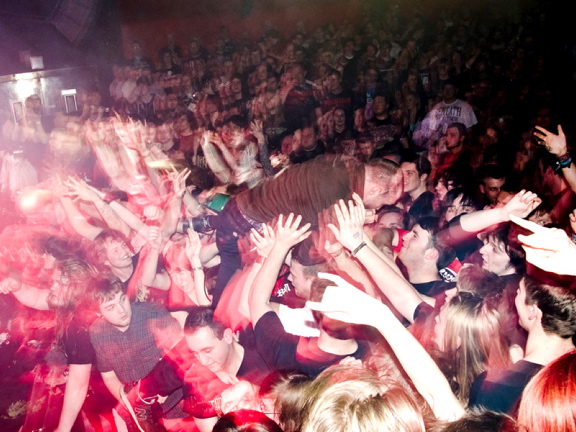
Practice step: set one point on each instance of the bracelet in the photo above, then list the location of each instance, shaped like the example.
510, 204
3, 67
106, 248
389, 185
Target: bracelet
563, 161
197, 268
358, 248
337, 254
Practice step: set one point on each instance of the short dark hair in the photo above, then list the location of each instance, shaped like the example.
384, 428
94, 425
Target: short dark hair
468, 198
446, 254
422, 163
203, 316
506, 235
462, 130
558, 306
104, 289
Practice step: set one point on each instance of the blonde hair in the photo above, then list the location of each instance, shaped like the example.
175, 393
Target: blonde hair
473, 340
349, 399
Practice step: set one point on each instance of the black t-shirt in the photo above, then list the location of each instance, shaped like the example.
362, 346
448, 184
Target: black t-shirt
302, 155
77, 346
433, 288
500, 390
422, 206
279, 348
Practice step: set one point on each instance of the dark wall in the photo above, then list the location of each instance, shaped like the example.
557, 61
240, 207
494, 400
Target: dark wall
44, 28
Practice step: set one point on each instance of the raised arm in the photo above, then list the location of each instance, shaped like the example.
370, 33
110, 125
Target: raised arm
146, 273
213, 159
347, 304
401, 294
521, 205
173, 208
287, 234
30, 296
87, 193
548, 248
556, 144
193, 248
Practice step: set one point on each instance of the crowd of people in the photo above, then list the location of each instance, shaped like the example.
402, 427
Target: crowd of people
350, 228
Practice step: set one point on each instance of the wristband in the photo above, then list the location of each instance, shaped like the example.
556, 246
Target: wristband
197, 268
358, 248
563, 161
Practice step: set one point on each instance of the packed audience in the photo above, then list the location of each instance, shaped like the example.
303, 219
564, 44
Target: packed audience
343, 229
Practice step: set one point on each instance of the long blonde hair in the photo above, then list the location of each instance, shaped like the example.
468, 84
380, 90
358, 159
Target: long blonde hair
473, 340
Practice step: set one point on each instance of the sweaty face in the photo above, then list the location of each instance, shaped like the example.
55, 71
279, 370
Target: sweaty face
117, 311
118, 254
414, 244
495, 258
211, 352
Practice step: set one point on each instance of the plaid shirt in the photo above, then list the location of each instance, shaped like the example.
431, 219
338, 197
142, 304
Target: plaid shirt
132, 354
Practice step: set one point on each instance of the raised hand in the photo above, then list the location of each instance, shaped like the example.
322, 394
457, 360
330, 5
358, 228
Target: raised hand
350, 222
82, 190
521, 204
263, 242
178, 180
193, 245
154, 237
346, 303
555, 144
256, 129
288, 231
548, 248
